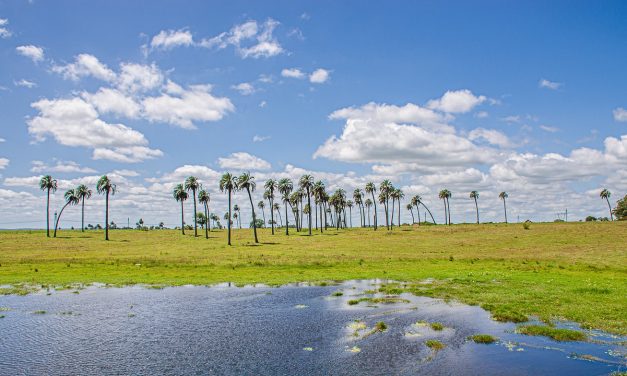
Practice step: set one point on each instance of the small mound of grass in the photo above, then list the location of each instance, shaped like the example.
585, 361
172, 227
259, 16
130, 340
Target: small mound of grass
509, 316
380, 326
353, 302
435, 344
553, 333
437, 326
483, 338
2, 316
337, 293
40, 312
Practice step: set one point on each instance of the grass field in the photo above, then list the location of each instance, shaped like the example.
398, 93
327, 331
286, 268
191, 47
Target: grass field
573, 271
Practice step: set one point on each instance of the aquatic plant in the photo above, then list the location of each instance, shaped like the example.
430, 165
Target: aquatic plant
380, 327
437, 326
483, 338
39, 312
435, 344
337, 293
353, 302
558, 334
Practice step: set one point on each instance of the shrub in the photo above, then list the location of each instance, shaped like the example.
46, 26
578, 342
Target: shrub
554, 333
527, 224
435, 344
483, 338
437, 326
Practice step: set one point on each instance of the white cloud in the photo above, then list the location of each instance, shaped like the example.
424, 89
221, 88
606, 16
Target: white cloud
549, 84
319, 76
459, 101
75, 122
168, 39
36, 54
107, 100
257, 138
25, 83
138, 77
243, 161
620, 114
263, 104
548, 128
61, 166
249, 39
292, 73
183, 107
512, 119
492, 136
3, 163
4, 32
85, 65
129, 173
481, 115
245, 88
2, 140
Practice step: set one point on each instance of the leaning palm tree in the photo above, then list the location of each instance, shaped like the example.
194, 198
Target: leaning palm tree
475, 195
261, 205
192, 184
503, 196
605, 194
414, 202
47, 183
271, 186
228, 184
410, 207
71, 198
443, 195
306, 182
83, 193
286, 186
204, 198
247, 182
419, 201
107, 188
368, 204
371, 188
180, 195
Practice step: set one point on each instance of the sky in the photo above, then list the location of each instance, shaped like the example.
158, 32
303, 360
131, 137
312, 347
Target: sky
524, 97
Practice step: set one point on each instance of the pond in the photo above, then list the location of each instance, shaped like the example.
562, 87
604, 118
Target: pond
289, 330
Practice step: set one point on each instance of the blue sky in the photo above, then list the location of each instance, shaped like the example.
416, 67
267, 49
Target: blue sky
529, 98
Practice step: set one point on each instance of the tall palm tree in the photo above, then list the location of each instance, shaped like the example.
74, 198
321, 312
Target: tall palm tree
306, 182
319, 193
399, 195
228, 184
237, 211
47, 183
371, 188
261, 205
475, 195
276, 207
605, 194
294, 198
349, 204
385, 189
368, 204
285, 187
180, 195
70, 199
415, 202
204, 198
271, 186
410, 207
192, 184
358, 199
443, 196
107, 188
83, 193
448, 205
503, 196
247, 182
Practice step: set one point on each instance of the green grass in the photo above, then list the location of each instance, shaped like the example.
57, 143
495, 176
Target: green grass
572, 271
483, 338
437, 326
554, 333
380, 326
434, 344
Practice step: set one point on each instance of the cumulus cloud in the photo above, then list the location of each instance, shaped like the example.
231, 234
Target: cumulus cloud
548, 128
4, 31
249, 39
257, 138
620, 114
3, 163
107, 100
292, 73
546, 84
243, 161
459, 101
491, 136
75, 122
168, 39
60, 166
138, 77
85, 65
25, 83
244, 88
319, 76
35, 53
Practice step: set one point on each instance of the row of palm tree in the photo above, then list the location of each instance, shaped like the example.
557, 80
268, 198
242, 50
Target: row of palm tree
74, 197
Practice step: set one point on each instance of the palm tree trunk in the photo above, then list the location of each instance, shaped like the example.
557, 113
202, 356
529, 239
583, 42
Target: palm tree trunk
477, 208
392, 216
280, 218
252, 207
309, 214
272, 213
228, 223
368, 216
445, 212
107, 215
418, 212
375, 210
56, 224
610, 207
83, 215
505, 209
399, 213
208, 220
448, 205
287, 221
263, 212
350, 216
321, 207
413, 219
433, 219
387, 221
182, 219
195, 218
48, 214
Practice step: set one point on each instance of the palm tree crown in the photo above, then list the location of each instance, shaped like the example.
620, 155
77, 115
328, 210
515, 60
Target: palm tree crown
106, 187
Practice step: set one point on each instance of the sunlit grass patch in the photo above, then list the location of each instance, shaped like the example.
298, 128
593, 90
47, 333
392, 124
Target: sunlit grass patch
434, 344
337, 293
483, 338
437, 326
39, 312
558, 334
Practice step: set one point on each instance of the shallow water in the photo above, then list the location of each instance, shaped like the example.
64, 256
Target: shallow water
291, 330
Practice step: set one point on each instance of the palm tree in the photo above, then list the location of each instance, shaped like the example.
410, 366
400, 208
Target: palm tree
319, 193
411, 210
443, 195
261, 205
503, 196
419, 201
399, 195
70, 199
357, 197
237, 212
204, 198
107, 188
475, 195
349, 204
276, 207
371, 188
180, 194
47, 183
605, 194
192, 184
247, 182
306, 182
385, 189
228, 184
271, 186
285, 186
368, 204
448, 204
83, 193
415, 202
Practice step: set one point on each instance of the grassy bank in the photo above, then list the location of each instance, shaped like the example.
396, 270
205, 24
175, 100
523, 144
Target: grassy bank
573, 271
